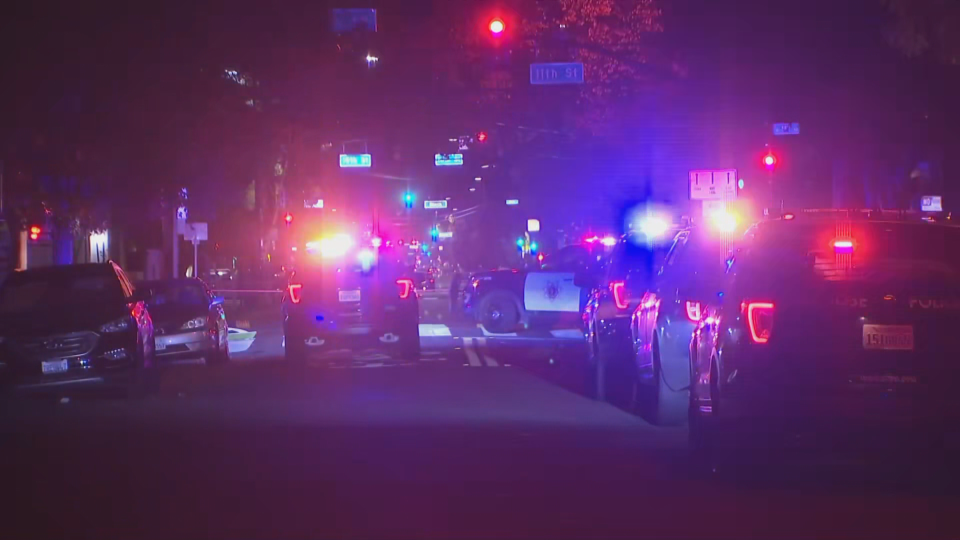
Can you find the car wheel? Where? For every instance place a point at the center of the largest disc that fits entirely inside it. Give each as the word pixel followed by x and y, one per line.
pixel 701 430
pixel 499 313
pixel 654 401
pixel 221 353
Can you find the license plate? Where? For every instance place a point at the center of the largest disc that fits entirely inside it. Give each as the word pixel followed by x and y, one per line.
pixel 350 296
pixel 888 337
pixel 54 366
pixel 160 345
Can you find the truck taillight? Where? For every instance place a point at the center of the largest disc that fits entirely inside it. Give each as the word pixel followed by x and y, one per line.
pixel 759 320
pixel 295 291
pixel 620 296
pixel 694 311
pixel 404 287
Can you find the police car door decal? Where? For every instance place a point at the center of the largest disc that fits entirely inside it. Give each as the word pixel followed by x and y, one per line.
pixel 551 291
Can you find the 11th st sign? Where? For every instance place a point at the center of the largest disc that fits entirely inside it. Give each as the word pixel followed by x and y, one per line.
pixel 557 73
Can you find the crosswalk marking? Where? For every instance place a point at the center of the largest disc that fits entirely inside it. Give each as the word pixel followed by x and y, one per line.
pixel 481 345
pixel 472 356
pixel 435 330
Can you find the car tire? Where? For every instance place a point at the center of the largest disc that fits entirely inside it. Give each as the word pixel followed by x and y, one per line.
pixel 221 354
pixel 702 437
pixel 499 313
pixel 655 402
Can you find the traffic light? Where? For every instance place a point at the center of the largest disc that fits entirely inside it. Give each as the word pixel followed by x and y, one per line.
pixel 288 218
pixel 408 199
pixel 770 161
pixel 533 247
pixel 482 136
pixel 497 26
pixel 434 234
pixel 35 232
pixel 520 242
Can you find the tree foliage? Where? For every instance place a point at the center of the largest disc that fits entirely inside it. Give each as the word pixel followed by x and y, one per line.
pixel 922 27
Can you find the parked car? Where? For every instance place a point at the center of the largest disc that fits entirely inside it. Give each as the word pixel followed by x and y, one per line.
pixel 82 324
pixel 189 321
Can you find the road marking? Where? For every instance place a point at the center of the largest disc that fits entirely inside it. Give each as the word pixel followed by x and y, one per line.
pixel 434 330
pixel 567 333
pixel 472 356
pixel 481 345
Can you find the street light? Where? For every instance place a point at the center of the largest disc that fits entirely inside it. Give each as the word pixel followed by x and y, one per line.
pixel 496 26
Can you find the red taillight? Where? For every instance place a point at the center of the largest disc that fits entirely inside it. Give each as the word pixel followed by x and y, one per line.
pixel 759 320
pixel 295 292
pixel 405 287
pixel 620 296
pixel 693 311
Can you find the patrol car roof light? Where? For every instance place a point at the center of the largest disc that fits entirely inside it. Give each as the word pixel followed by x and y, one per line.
pixel 654 226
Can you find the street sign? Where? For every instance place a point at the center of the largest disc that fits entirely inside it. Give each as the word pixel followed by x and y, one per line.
pixel 786 128
pixel 533 225
pixel 348 20
pixel 931 203
pixel 560 73
pixel 435 205
pixel 195 232
pixel 348 161
pixel 448 160
pixel 513 202
pixel 446 234
pixel 720 184
pixel 313 203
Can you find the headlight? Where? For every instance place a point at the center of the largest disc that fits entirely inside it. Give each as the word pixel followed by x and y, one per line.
pixel 118 325
pixel 195 324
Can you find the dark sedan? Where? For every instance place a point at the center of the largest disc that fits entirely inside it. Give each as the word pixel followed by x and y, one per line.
pixel 189 320
pixel 75 324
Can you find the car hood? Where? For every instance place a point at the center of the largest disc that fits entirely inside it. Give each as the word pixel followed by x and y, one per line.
pixel 59 320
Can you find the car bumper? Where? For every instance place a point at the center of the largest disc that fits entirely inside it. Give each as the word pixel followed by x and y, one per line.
pixel 187 346
pixel 100 366
pixel 328 335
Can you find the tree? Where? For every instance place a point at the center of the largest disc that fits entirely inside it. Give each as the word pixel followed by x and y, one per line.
pixel 926 27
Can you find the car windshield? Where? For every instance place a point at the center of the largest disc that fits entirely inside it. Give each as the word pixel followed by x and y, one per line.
pixel 188 294
pixel 440 269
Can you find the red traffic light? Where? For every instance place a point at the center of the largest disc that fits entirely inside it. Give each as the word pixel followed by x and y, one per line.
pixel 770 161
pixel 35 232
pixel 482 136
pixel 496 26
pixel 288 218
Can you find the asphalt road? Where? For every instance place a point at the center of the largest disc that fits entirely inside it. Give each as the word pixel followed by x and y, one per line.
pixel 484 437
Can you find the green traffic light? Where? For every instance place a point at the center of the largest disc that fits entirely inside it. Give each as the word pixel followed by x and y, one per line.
pixel 520 242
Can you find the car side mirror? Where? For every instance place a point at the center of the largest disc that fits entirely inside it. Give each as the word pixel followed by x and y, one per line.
pixel 217 301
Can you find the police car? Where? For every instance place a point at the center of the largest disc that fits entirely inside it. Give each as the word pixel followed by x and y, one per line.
pixel 350 291
pixel 503 301
pixel 836 330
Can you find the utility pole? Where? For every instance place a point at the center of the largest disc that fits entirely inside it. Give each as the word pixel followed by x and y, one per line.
pixel 175 245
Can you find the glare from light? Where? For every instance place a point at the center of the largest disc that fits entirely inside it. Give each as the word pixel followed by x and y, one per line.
pixel 769 160
pixel 366 257
pixel 477 179
pixel 724 221
pixel 608 241
pixel 372 59
pixel 497 26
pixel 333 246
pixel 654 227
pixel 472 189
pixel 376 241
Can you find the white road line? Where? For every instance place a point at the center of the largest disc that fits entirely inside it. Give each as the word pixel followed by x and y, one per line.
pixel 434 330
pixel 472 356
pixel 481 345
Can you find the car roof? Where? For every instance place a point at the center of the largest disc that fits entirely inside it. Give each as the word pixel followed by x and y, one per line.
pixel 65 270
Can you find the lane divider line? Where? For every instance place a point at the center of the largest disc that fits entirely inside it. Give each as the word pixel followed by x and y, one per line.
pixel 472 356
pixel 481 345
